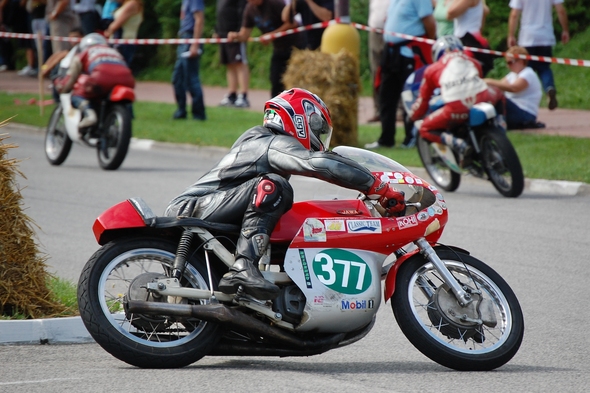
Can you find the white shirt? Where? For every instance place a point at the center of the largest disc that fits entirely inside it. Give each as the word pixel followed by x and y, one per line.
pixel 377 13
pixel 536 22
pixel 529 98
pixel 470 21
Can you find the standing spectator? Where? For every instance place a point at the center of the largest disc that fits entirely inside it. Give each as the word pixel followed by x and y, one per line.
pixel 188 57
pixel 89 17
pixel 128 17
pixel 15 18
pixel 523 91
pixel 36 9
pixel 311 11
pixel 443 25
pixel 62 19
pixel 537 36
pixel 411 17
pixel 377 14
pixel 468 17
pixel 267 16
pixel 108 14
pixel 233 54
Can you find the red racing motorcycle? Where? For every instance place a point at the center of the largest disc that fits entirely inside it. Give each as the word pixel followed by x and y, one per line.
pixel 334 260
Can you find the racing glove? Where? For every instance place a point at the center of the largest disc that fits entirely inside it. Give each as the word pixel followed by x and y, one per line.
pixel 392 200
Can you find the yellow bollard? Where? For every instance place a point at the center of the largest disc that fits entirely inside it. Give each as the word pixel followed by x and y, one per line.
pixel 341 36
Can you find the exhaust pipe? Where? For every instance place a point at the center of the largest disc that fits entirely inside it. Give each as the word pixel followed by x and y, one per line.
pixel 230 317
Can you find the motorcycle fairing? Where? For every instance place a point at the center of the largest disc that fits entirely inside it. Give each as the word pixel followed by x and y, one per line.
pixel 72 116
pixel 342 287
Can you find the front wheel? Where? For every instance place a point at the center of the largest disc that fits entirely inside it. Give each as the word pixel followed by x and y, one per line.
pixel 501 163
pixel 122 269
pixel 439 172
pixel 57 141
pixel 115 137
pixel 481 336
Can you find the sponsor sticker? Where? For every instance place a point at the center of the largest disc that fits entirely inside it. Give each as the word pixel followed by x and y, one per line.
pixel 305 268
pixel 351 305
pixel 363 226
pixel 407 222
pixel 335 225
pixel 314 230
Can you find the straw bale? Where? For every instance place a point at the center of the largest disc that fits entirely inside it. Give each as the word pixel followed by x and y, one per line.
pixel 335 79
pixel 23 278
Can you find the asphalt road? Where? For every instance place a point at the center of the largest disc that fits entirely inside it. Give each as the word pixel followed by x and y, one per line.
pixel 537 242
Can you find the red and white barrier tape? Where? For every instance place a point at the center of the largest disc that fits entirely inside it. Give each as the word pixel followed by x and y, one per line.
pixel 269 37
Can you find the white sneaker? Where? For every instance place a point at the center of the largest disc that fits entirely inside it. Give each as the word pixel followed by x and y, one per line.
pixel 3 67
pixel 89 119
pixel 242 102
pixel 227 101
pixel 26 71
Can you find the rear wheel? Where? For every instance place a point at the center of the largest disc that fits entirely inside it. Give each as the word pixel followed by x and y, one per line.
pixel 57 141
pixel 438 171
pixel 481 336
pixel 501 163
pixel 115 136
pixel 121 269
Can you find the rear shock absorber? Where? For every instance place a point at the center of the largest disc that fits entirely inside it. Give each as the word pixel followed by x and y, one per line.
pixel 184 246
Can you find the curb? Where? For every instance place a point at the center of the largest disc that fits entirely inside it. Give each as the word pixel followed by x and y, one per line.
pixel 71 330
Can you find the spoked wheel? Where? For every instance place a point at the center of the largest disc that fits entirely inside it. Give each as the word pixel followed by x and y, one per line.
pixel 438 171
pixel 115 137
pixel 501 163
pixel 57 141
pixel 121 269
pixel 483 335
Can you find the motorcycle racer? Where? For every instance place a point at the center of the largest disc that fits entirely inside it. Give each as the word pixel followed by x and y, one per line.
pixel 250 185
pixel 92 74
pixel 461 84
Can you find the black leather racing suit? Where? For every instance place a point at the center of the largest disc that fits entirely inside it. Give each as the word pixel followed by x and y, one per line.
pixel 232 191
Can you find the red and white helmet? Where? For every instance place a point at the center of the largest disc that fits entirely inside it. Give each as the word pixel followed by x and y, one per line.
pixel 302 115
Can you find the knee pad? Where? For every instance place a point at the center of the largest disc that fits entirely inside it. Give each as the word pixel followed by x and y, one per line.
pixel 268 195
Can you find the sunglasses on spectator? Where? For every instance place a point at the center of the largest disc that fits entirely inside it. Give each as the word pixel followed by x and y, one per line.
pixel 511 61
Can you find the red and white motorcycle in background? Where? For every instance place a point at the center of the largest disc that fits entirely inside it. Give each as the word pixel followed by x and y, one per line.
pixel 110 136
pixel 334 260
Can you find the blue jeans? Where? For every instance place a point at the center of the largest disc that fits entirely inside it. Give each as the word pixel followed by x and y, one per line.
pixel 541 68
pixel 185 77
pixel 516 117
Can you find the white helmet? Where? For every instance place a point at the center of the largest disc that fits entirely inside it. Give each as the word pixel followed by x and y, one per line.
pixel 447 43
pixel 91 40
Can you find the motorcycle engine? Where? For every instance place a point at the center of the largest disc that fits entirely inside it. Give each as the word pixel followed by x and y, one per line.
pixel 461 322
pixel 290 303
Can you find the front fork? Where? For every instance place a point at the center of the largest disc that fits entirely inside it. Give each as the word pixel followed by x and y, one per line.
pixel 463 297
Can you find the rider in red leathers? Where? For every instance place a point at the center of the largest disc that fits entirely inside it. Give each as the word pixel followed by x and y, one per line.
pixel 250 185
pixel 92 74
pixel 459 78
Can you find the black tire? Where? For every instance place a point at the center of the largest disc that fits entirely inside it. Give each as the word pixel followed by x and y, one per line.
pixel 57 141
pixel 440 173
pixel 147 341
pixel 115 137
pixel 501 163
pixel 430 327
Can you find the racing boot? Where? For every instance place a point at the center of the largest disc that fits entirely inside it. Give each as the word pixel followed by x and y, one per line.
pixel 89 115
pixel 464 150
pixel 251 246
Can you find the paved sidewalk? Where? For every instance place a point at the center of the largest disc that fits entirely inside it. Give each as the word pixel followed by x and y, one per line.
pixel 559 122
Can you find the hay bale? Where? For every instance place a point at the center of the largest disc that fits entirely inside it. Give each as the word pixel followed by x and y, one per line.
pixel 23 278
pixel 335 78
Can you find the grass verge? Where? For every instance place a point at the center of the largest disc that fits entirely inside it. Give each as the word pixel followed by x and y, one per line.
pixel 542 156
